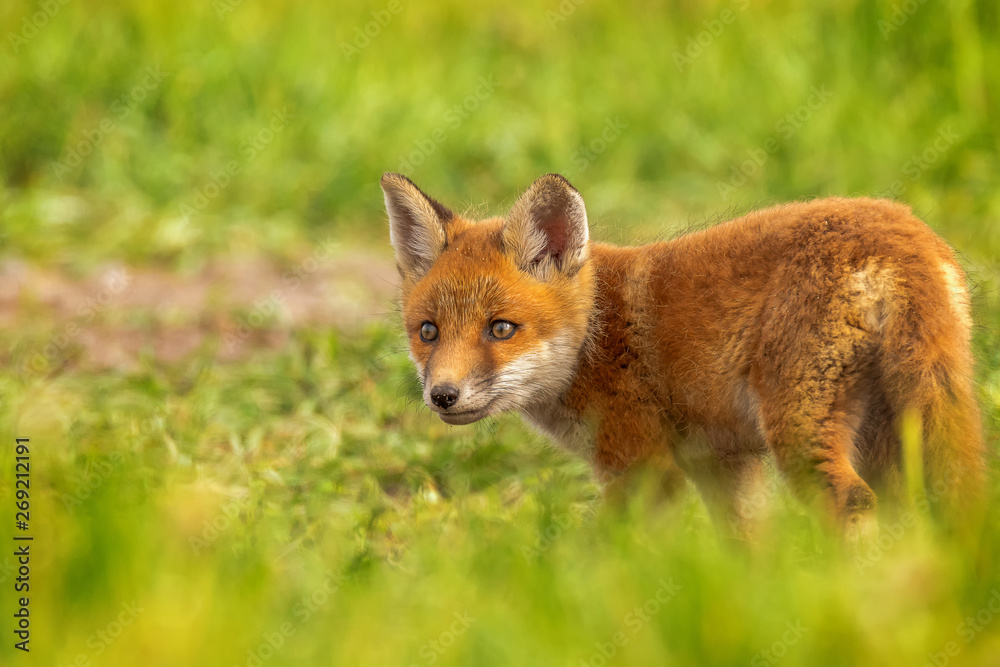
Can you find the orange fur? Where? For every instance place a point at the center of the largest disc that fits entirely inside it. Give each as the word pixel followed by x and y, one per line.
pixel 805 331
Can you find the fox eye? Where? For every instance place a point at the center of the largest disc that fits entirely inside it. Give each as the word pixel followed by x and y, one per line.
pixel 428 332
pixel 502 329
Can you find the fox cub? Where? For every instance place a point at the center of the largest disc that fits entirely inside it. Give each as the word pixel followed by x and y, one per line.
pixel 808 332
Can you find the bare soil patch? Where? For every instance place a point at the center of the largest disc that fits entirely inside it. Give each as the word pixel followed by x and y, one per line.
pixel 120 315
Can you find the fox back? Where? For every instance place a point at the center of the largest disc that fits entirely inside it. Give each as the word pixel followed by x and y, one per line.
pixel 807 332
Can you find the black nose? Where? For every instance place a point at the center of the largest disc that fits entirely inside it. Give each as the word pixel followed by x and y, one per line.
pixel 444 396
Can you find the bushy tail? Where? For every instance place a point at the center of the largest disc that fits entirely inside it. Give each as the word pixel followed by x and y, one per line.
pixel 926 366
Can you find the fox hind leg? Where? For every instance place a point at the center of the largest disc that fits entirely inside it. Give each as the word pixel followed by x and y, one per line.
pixel 815 460
pixel 879 452
pixel 811 420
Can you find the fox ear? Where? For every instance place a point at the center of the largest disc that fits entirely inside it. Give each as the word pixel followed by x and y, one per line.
pixel 546 229
pixel 416 225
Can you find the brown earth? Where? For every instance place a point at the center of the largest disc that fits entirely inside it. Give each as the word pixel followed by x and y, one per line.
pixel 120 315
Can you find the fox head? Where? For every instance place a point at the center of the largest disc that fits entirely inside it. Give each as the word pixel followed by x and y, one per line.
pixel 496 311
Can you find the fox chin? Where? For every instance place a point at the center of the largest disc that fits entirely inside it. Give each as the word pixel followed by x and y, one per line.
pixel 805 333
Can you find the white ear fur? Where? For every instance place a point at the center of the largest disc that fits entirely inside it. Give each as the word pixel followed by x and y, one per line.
pixel 416 225
pixel 546 229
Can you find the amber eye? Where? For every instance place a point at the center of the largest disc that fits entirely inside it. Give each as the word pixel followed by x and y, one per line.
pixel 502 329
pixel 428 332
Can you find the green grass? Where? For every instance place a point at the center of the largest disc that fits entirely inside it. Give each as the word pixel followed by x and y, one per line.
pixel 300 496
pixel 312 464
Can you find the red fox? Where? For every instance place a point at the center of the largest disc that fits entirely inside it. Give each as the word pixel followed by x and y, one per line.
pixel 806 332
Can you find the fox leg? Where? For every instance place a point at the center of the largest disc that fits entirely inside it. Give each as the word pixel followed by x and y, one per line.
pixel 820 472
pixel 631 443
pixel 814 455
pixel 729 475
pixel 879 453
pixel 811 413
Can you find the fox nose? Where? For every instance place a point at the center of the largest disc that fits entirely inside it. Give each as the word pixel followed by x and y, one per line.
pixel 444 396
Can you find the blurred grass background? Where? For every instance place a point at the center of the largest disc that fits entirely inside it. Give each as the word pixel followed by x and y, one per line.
pixel 296 505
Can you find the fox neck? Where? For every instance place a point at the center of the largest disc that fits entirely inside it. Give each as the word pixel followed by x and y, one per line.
pixel 558 412
pixel 615 315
